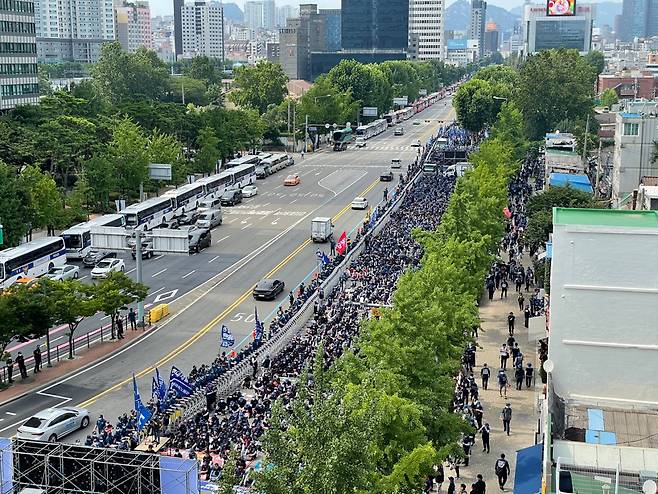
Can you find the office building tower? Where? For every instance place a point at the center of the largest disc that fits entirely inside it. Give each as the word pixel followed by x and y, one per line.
pixel 18 54
pixel 283 14
pixel 178 32
pixel 133 26
pixel 203 30
pixel 491 38
pixel 545 32
pixel 269 14
pixel 638 19
pixel 476 26
pixel 253 15
pixel 299 38
pixel 426 37
pixel 73 30
pixel 375 25
pixel 332 28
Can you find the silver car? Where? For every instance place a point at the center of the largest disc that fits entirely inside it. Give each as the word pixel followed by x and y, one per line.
pixel 52 424
pixel 66 272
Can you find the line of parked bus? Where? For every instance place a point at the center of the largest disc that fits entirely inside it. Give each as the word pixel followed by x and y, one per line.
pixel 372 129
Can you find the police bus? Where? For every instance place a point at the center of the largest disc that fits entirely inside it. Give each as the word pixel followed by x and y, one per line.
pixel 149 214
pixel 186 198
pixel 31 259
pixel 249 159
pixel 215 185
pixel 243 175
pixel 77 239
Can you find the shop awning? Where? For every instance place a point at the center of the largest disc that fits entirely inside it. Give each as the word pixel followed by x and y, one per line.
pixel 527 475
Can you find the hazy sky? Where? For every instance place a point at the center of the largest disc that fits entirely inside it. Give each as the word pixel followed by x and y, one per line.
pixel 162 7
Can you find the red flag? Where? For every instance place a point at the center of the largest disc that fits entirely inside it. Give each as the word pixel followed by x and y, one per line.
pixel 507 212
pixel 341 246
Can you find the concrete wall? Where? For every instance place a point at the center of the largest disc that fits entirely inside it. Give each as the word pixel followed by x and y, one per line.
pixel 604 325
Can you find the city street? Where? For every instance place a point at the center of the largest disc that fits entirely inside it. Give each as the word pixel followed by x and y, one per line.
pixel 266 236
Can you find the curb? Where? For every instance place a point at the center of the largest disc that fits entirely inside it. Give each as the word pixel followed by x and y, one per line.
pixel 73 371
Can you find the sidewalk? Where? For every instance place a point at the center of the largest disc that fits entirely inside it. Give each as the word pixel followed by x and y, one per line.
pixel 83 357
pixel 493 316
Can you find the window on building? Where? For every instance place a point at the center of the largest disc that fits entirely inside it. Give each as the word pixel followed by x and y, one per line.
pixel 631 129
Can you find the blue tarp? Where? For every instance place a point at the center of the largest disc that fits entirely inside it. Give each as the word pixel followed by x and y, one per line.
pixel 7 468
pixel 580 182
pixel 600 437
pixel 595 419
pixel 527 475
pixel 178 476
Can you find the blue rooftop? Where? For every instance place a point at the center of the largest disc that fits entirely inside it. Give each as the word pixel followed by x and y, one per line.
pixel 630 115
pixel 577 181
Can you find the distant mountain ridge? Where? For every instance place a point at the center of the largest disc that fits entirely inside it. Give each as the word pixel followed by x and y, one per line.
pixel 233 12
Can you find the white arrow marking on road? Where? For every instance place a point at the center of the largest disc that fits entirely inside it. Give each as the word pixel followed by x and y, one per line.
pixel 244 221
pixel 188 274
pixel 276 221
pixel 165 296
pixel 159 273
pixel 214 259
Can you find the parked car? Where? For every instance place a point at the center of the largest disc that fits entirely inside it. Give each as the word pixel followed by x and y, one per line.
pixel 52 424
pixel 292 180
pixel 250 191
pixel 386 176
pixel 209 219
pixel 199 239
pixel 147 248
pixel 96 256
pixel 107 266
pixel 207 204
pixel 416 122
pixel 399 131
pixel 360 203
pixel 231 197
pixel 189 217
pixel 396 163
pixel 360 142
pixel 416 144
pixel 268 289
pixel 66 272
pixel 263 171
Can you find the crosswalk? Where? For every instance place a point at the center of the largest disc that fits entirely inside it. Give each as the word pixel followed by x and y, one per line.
pixel 384 147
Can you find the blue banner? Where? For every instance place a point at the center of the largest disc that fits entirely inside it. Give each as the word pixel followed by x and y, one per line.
pixel 228 340
pixel 159 389
pixel 179 383
pixel 325 259
pixel 373 217
pixel 259 327
pixel 136 397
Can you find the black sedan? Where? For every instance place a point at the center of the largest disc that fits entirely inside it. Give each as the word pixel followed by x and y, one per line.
pixel 386 177
pixel 96 256
pixel 268 289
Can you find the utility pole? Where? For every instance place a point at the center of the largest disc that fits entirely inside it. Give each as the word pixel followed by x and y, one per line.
pixel 138 258
pixel 306 134
pixel 182 86
pixel 294 129
pixel 585 143
pixel 598 173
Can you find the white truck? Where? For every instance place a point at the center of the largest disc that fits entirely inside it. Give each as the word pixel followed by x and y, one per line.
pixel 321 229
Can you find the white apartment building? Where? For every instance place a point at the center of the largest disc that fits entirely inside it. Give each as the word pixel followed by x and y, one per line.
pixel 203 29
pixel 133 26
pixel 478 20
pixel 269 14
pixel 73 29
pixel 253 15
pixel 426 21
pixel 18 54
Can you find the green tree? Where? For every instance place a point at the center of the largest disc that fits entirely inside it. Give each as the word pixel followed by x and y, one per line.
pixel 166 148
pixel 324 103
pixel 596 59
pixel 475 105
pixel 554 85
pixel 101 176
pixel 71 301
pixel 259 86
pixel 45 88
pixel 46 205
pixel 114 293
pixel 33 305
pixel 498 74
pixel 229 478
pixel 403 78
pixel 367 84
pixel 206 158
pixel 188 90
pixel 14 206
pixel 203 69
pixel 609 97
pixel 128 150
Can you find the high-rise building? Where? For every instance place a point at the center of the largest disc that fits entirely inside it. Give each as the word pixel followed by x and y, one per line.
pixel 178 27
pixel 545 32
pixel 638 19
pixel 18 54
pixel 476 26
pixel 491 38
pixel 269 14
pixel 202 26
pixel 253 15
pixel 283 14
pixel 299 38
pixel 73 30
pixel 426 22
pixel 375 25
pixel 332 28
pixel 133 25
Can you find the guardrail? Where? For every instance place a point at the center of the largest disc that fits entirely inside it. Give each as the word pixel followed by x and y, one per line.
pixel 233 379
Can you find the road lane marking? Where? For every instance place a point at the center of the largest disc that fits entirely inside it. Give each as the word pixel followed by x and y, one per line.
pixel 11 413
pixel 159 273
pixel 293 202
pixel 204 330
pixel 231 221
pixel 132 270
pixel 222 239
pixel 158 257
pixel 104 317
pixel 82 278
pixel 213 259
pixel 246 226
pixel 266 204
pixel 189 274
pixel 157 291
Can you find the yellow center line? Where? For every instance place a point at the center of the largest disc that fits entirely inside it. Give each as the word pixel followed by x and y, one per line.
pixel 195 337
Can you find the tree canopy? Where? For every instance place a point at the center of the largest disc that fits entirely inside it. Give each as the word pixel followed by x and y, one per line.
pixel 259 86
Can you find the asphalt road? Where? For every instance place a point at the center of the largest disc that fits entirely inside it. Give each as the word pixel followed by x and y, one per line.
pixel 266 236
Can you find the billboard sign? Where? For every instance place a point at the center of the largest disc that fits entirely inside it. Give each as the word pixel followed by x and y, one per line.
pixel 422 92
pixel 401 101
pixel 370 111
pixel 560 7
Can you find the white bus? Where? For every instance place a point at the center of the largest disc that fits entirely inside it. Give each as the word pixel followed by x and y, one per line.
pixel 149 214
pixel 77 239
pixel 372 129
pixel 32 259
pixel 276 162
pixel 186 197
pixel 215 185
pixel 250 159
pixel 243 175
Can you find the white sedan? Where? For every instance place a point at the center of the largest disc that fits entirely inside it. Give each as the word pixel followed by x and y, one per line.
pixel 250 191
pixel 66 272
pixel 360 203
pixel 52 424
pixel 107 266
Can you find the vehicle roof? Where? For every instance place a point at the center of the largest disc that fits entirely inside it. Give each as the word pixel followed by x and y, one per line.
pixel 50 413
pixel 266 282
pixel 359 198
pixel 23 248
pixel 100 221
pixel 210 211
pixel 148 202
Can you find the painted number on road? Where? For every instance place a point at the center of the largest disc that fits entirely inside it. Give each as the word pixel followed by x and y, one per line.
pixel 241 316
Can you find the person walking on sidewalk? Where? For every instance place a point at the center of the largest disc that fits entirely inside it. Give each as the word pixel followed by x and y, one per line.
pixel 439 476
pixel 37 359
pixel 479 486
pixel 485 373
pixel 451 485
pixel 132 319
pixel 120 327
pixel 502 470
pixel 10 368
pixel 20 360
pixel 529 370
pixel 510 323
pixel 526 316
pixel 485 433
pixel 506 416
pixel 503 289
pixel 504 355
pixel 519 374
pixel 521 300
pixel 502 383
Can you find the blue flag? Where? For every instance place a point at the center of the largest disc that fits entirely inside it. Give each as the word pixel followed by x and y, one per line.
pixel 136 397
pixel 373 217
pixel 325 259
pixel 143 413
pixel 158 387
pixel 179 383
pixel 227 338
pixel 258 335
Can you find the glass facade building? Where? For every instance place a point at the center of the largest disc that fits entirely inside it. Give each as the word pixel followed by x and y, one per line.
pixel 375 24
pixel 18 54
pixel 561 34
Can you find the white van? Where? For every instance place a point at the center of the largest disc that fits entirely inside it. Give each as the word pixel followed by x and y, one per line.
pixel 396 163
pixel 360 142
pixel 208 203
pixel 210 219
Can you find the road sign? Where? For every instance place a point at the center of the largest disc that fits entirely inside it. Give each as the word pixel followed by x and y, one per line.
pixel 403 101
pixel 370 111
pixel 160 171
